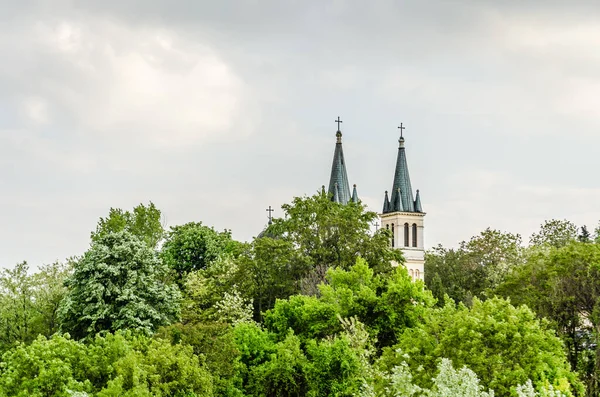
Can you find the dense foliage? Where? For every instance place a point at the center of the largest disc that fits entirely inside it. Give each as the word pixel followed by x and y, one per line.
pixel 557 276
pixel 119 283
pixel 312 307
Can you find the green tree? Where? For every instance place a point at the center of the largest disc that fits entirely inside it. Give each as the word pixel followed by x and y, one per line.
pixel 159 369
pixel 109 365
pixel 334 368
pixel 143 222
pixel 215 343
pixel 585 236
pixel 385 304
pixel 18 322
pixel 504 345
pixel 119 283
pixel 50 290
pixel 270 269
pixel 29 302
pixel 554 233
pixel 205 288
pixel 53 367
pixel 475 269
pixel 194 246
pixel 562 285
pixel 331 234
pixel 597 234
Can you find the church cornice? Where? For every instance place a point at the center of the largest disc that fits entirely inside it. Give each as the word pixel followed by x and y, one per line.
pixel 401 213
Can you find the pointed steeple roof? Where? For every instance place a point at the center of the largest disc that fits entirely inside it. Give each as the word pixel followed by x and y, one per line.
pixel 336 194
pixel 397 204
pixel 386 203
pixel 402 184
pixel 339 174
pixel 354 195
pixel 418 207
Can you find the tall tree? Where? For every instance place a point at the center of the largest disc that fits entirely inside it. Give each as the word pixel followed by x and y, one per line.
pixel 144 222
pixel 17 306
pixel 475 268
pixel 554 233
pixel 584 236
pixel 50 289
pixel 270 269
pixel 562 285
pixel 194 246
pixel 29 302
pixel 332 234
pixel 504 345
pixel 119 283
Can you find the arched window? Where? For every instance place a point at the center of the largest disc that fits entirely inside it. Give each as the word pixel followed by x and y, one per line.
pixel 393 236
pixel 417 274
pixel 414 232
pixel 406 240
pixel 412 274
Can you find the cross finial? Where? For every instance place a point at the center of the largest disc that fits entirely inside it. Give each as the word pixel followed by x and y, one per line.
pixel 376 226
pixel 270 211
pixel 401 128
pixel 338 121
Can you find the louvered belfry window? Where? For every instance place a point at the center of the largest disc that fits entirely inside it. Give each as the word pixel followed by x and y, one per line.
pixel 414 234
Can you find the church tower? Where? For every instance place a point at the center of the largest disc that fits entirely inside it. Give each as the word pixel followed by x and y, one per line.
pixel 339 188
pixel 403 215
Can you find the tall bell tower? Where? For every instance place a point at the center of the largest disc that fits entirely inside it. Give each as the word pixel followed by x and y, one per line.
pixel 403 215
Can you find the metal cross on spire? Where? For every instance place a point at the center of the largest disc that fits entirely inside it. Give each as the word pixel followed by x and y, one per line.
pixel 270 211
pixel 338 121
pixel 401 128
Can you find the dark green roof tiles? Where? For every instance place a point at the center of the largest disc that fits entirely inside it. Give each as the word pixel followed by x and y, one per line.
pixel 386 203
pixel 354 195
pixel 418 207
pixel 339 175
pixel 336 193
pixel 402 199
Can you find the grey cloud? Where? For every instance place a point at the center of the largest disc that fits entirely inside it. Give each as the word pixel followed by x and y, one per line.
pixel 121 109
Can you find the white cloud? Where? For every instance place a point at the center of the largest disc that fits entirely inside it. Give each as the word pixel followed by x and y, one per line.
pixel 35 111
pixel 141 84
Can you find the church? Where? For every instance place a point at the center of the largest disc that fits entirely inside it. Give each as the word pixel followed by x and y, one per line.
pixel 402 212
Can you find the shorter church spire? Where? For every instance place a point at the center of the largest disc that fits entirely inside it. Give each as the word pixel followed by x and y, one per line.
pixel 354 195
pixel 386 203
pixel 397 204
pixel 336 194
pixel 418 207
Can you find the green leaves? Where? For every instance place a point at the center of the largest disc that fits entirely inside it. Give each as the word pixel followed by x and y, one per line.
pixel 114 365
pixel 475 269
pixel 144 222
pixel 119 283
pixel 331 234
pixel 29 303
pixel 555 233
pixel 193 247
pixel 386 305
pixel 503 344
pixel 45 368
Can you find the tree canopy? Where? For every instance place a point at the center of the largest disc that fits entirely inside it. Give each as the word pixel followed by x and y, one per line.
pixel 318 305
pixel 119 283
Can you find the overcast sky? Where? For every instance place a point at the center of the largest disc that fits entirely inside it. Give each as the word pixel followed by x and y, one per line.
pixel 215 110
